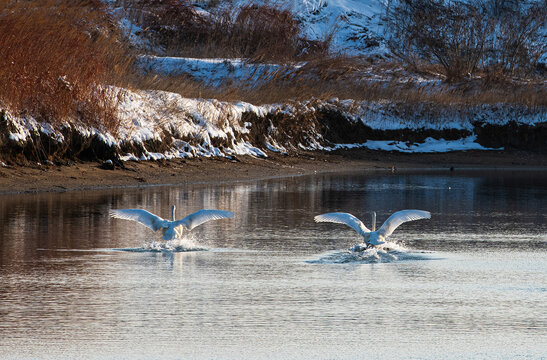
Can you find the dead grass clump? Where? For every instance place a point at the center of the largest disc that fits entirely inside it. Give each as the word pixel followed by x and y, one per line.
pixel 266 33
pixel 54 56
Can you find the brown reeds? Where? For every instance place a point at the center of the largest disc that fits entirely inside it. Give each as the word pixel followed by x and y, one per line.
pixel 54 59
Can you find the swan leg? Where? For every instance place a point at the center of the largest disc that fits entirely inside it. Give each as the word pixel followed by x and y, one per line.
pixel 179 232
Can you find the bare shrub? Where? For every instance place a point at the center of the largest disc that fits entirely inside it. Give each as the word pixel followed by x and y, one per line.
pixel 519 42
pixel 451 34
pixel 54 56
pixel 467 37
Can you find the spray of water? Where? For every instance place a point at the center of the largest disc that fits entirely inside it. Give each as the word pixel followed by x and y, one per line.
pixel 188 242
pixel 387 253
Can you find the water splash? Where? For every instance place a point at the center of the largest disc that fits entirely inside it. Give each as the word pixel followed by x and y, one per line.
pixel 184 244
pixel 389 253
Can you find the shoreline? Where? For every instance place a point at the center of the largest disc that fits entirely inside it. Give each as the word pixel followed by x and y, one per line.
pixel 90 176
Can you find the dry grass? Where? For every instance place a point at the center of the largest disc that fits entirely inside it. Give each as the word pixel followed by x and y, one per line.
pixel 342 77
pixel 54 56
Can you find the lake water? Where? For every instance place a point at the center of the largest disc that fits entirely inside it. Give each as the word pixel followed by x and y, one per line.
pixel 272 284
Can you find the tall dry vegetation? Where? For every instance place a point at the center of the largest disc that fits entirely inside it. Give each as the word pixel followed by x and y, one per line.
pixel 55 57
pixel 256 32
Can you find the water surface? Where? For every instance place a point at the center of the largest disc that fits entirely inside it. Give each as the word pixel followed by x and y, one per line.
pixel 270 283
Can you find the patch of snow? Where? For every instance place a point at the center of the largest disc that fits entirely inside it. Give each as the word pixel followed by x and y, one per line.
pixel 24 127
pixel 213 71
pixel 246 148
pixel 273 146
pixel 384 115
pixel 48 129
pixel 148 115
pixel 430 145
pixel 129 157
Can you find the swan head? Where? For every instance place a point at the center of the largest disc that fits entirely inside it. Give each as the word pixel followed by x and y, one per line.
pixel 173 208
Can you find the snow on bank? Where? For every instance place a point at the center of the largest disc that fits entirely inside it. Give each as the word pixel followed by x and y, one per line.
pixel 23 128
pixel 430 145
pixel 157 125
pixel 195 125
pixel 385 115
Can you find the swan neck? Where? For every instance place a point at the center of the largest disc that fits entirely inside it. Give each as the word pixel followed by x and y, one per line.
pixel 173 213
pixel 373 221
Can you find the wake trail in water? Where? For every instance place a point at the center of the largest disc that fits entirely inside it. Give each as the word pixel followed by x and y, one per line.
pixel 185 244
pixel 390 253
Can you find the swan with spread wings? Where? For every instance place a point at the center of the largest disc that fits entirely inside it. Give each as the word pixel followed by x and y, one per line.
pixel 373 238
pixel 170 229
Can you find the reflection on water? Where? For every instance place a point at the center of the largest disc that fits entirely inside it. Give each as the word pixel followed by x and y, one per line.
pixel 272 283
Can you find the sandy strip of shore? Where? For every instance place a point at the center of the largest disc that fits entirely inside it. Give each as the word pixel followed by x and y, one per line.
pixel 89 175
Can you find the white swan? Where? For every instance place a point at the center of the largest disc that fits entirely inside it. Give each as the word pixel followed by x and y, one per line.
pixel 174 228
pixel 373 238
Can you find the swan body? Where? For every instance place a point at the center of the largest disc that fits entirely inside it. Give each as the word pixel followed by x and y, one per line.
pixel 174 228
pixel 373 238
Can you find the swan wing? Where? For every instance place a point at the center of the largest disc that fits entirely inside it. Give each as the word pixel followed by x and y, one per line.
pixel 144 217
pixel 201 216
pixel 400 217
pixel 343 218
